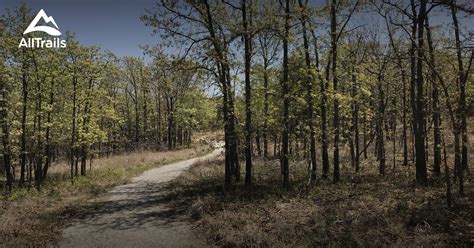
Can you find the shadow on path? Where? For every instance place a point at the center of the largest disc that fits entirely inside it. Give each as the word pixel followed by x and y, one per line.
pixel 145 213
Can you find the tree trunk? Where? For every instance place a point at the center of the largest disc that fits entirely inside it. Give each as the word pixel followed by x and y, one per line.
pixel 435 104
pixel 39 142
pixel 379 128
pixel 231 158
pixel 404 122
pixel 335 88
pixel 265 109
pixel 158 121
pixel 23 151
pixel 448 177
pixel 421 172
pixel 170 126
pixel 461 113
pixel 48 134
pixel 364 136
pixel 248 112
pixel 355 123
pixel 309 94
pixel 286 101
pixel 228 163
pixel 404 99
pixel 235 165
pixel 73 130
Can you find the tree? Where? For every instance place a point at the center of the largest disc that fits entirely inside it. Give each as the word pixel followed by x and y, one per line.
pixel 435 103
pixel 213 33
pixel 286 99
pixel 4 121
pixel 78 102
pixel 268 47
pixel 335 35
pixel 248 113
pixel 175 78
pixel 461 113
pixel 421 171
pixel 309 86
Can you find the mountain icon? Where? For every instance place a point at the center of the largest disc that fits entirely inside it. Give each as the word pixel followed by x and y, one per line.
pixel 47 29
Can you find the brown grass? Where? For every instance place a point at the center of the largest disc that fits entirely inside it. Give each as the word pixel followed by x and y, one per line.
pixel 364 209
pixel 31 218
pixel 128 160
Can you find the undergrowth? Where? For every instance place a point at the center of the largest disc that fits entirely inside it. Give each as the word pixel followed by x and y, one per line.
pixel 363 210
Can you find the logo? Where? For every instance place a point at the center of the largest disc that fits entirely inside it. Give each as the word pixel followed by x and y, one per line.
pixel 40 42
pixel 47 29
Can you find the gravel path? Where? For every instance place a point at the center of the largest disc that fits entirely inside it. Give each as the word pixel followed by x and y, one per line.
pixel 137 215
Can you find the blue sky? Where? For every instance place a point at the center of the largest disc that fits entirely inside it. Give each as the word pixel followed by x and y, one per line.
pixel 110 24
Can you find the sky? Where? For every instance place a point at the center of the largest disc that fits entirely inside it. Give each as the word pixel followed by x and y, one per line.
pixel 111 24
pixel 115 24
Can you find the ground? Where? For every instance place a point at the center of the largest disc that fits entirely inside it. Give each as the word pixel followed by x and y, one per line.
pixel 364 209
pixel 137 214
pixel 31 218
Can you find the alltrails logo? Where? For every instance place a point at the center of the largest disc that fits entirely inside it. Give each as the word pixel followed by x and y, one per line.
pixel 40 42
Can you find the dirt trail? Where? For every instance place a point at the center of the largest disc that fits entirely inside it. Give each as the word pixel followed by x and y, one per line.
pixel 137 215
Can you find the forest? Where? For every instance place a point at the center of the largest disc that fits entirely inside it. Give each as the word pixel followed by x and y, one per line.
pixel 319 103
pixel 83 102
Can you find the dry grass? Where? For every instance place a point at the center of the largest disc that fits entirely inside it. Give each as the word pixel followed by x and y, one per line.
pixel 31 218
pixel 130 160
pixel 364 209
pixel 214 135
